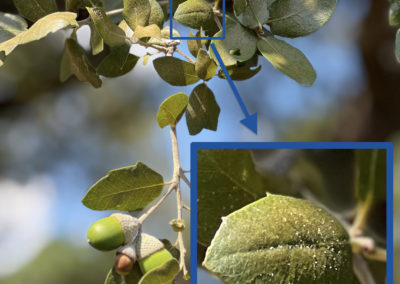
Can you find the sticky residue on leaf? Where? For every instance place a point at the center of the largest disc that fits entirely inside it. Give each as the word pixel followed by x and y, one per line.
pixel 280 239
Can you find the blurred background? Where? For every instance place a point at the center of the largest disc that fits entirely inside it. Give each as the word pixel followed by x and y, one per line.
pixel 58 139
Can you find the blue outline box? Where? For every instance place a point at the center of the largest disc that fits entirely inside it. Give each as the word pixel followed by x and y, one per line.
pixel 388 146
pixel 199 38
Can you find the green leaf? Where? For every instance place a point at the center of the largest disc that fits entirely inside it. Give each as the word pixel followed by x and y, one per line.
pixel 294 18
pixel 44 26
pixel 175 71
pixel 287 59
pixel 110 32
pixel 228 175
pixel 172 109
pixel 118 62
pixel 136 12
pixel 147 32
pixel 156 14
pixel 205 67
pixel 33 10
pixel 96 41
pixel 193 44
pixel 196 14
pixel 251 13
pixel 175 5
pixel 75 61
pixel 11 25
pixel 394 14
pixel 162 274
pixel 132 278
pixel 370 174
pixel 75 5
pixel 202 110
pixel 280 239
pixel 237 38
pixel 243 70
pixel 125 189
pixel 397 45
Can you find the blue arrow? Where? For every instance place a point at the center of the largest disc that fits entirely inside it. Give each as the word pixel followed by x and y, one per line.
pixel 250 121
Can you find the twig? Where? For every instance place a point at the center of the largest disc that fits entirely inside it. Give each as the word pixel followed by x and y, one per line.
pixel 109 13
pixel 184 55
pixel 159 202
pixel 186 207
pixel 361 270
pixel 177 169
pixel 183 176
pixel 216 4
pixel 378 255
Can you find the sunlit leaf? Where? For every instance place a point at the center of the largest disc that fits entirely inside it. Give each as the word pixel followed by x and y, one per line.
pixel 156 14
pixel 33 10
pixel 48 24
pixel 162 274
pixel 243 70
pixel 205 67
pixel 228 175
pixel 280 239
pixel 175 71
pixel 110 32
pixel 147 32
pixel 202 110
pixel 238 39
pixel 196 14
pixel 293 18
pixel 75 61
pixel 371 174
pixel 96 41
pixel 118 62
pixel 11 25
pixel 136 12
pixel 287 59
pixel 172 109
pixel 251 13
pixel 125 189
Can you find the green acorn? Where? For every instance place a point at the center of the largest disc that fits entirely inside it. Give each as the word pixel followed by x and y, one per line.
pixel 112 232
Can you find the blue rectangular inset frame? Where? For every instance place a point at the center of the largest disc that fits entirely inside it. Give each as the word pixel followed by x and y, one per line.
pixel 200 38
pixel 292 145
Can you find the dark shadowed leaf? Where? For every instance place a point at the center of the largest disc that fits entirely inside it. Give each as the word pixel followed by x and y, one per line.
pixel 75 5
pixel 397 45
pixel 125 189
pixel 172 109
pixel 227 175
pixel 394 14
pixel 287 59
pixel 96 41
pixel 118 62
pixel 370 174
pixel 10 26
pixel 44 26
pixel 175 71
pixel 33 10
pixel 239 44
pixel 251 13
pixel 136 12
pixel 110 32
pixel 193 44
pixel 75 61
pixel 243 71
pixel 202 110
pixel 156 14
pixel 205 67
pixel 280 239
pixel 293 18
pixel 196 14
